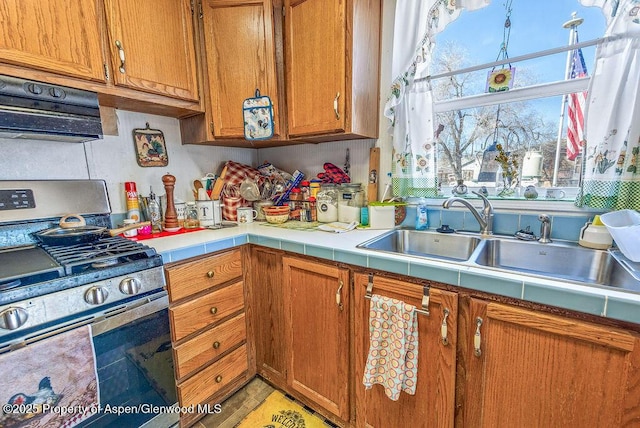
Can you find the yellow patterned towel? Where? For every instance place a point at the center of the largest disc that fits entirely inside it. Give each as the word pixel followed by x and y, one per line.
pixel 393 347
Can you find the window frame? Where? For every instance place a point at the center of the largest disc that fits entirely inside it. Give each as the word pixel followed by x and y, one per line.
pixel 537 91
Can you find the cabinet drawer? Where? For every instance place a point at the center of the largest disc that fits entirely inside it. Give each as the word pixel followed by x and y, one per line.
pixel 207 346
pixel 193 315
pixel 207 382
pixel 189 278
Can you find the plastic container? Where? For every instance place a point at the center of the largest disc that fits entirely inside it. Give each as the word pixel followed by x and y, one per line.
pixel 624 227
pixel 382 215
pixel 131 232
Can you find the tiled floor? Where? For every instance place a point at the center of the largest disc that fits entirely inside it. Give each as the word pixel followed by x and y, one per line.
pixel 236 407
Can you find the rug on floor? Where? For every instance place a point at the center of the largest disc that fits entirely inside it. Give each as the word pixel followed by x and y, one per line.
pixel 279 411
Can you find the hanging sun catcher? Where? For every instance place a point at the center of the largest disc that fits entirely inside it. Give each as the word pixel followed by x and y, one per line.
pixel 500 80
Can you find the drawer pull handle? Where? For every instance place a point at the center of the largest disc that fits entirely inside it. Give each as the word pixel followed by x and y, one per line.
pixel 210 274
pixel 216 345
pixel 339 296
pixel 213 310
pixel 218 379
pixel 477 338
pixel 443 328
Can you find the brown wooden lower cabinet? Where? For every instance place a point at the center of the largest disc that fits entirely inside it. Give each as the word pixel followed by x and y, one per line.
pixel 316 304
pixel 209 330
pixel 502 365
pixel 524 368
pixel 267 309
pixel 433 403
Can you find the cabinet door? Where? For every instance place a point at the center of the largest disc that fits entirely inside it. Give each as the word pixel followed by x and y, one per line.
pixel 53 35
pixel 240 53
pixel 268 314
pixel 433 403
pixel 152 46
pixel 535 369
pixel 315 66
pixel 318 333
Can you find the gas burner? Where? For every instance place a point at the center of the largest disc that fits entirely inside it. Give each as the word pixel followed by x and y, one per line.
pixel 104 263
pixel 11 284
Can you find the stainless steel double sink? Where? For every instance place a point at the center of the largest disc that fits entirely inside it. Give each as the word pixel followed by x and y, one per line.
pixel 558 260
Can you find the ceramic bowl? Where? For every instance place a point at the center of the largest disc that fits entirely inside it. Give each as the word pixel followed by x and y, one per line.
pixel 273 210
pixel 277 219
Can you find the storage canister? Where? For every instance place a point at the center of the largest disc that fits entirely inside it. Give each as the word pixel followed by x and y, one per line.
pixel 350 200
pixel 327 203
pixel 191 217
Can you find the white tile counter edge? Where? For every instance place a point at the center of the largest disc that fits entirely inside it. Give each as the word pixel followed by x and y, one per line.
pixel 180 246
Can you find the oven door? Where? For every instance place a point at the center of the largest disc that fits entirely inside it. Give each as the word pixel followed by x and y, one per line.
pixel 135 365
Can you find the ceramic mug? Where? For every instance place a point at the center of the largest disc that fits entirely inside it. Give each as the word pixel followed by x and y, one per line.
pixel 555 193
pixel 246 215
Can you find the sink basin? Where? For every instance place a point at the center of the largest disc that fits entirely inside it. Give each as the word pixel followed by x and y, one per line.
pixel 425 244
pixel 558 260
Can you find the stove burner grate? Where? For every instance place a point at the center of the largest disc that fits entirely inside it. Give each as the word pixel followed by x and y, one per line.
pixel 104 252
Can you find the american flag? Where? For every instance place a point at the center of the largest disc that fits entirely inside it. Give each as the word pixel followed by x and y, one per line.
pixel 575 127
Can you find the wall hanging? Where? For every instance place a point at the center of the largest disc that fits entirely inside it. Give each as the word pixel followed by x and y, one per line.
pixel 150 146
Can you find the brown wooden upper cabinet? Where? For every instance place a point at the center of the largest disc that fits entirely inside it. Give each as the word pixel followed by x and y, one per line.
pixel 152 46
pixel 332 68
pixel 318 60
pixel 240 56
pixel 63 37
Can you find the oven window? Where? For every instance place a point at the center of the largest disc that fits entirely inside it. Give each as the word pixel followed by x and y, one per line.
pixel 135 367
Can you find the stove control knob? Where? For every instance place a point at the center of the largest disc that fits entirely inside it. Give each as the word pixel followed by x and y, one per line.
pixel 96 295
pixel 12 318
pixel 130 286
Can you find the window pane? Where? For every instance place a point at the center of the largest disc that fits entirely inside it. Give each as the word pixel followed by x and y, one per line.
pixel 527 130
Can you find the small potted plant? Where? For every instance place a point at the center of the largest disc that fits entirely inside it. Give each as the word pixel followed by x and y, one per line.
pixel 509 171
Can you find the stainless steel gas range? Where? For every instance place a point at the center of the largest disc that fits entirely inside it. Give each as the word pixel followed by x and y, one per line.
pixel 112 283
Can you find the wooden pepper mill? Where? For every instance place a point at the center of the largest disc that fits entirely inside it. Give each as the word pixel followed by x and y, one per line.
pixel 170 215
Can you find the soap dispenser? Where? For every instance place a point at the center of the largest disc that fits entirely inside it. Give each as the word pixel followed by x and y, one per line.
pixel 595 235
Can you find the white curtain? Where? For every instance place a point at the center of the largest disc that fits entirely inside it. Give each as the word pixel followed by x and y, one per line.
pixel 410 105
pixel 612 153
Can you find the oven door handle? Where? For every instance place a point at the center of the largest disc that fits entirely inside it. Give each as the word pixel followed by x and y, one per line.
pixel 103 322
pixel 124 315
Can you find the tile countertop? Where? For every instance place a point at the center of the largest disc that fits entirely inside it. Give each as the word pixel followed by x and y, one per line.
pixel 595 300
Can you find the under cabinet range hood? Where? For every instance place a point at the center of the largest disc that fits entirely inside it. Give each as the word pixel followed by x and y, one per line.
pixel 41 111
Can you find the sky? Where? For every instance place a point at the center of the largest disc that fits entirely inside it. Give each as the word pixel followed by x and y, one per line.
pixel 535 25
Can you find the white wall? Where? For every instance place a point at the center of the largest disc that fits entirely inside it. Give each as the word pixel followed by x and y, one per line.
pixel 113 159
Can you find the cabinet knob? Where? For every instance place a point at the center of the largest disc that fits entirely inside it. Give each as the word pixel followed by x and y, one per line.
pixel 216 345
pixel 210 274
pixel 218 379
pixel 213 310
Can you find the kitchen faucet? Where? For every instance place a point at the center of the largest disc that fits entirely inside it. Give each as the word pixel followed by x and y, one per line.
pixel 545 229
pixel 485 218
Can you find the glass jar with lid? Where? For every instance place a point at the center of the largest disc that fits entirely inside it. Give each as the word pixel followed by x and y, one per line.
pixel 350 201
pixel 327 203
pixel 191 216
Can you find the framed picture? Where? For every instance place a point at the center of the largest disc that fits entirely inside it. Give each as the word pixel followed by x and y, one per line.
pixel 151 149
